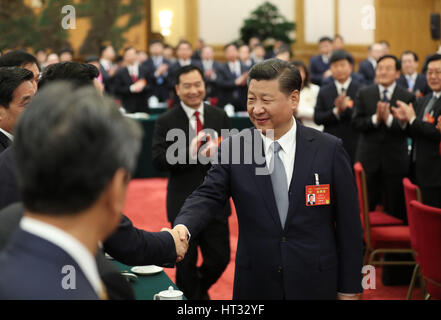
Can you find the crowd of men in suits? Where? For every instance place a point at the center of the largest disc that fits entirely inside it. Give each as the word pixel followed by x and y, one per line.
pixel 366 109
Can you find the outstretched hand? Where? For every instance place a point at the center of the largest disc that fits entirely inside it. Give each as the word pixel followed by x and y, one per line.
pixel 181 241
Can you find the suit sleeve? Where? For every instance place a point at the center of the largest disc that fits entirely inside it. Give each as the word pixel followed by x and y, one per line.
pixel 348 224
pixel 361 119
pixel 223 81
pixel 322 114
pixel 119 87
pixel 133 246
pixel 420 128
pixel 209 198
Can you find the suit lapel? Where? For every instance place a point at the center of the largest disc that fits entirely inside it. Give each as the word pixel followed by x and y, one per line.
pixel 304 156
pixel 263 182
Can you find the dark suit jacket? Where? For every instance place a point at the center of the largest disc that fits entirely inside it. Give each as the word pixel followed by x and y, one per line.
pixel 132 102
pixel 426 140
pixel 4 142
pixel 420 84
pixel 380 147
pixel 160 86
pixel 316 68
pixel 367 71
pixel 228 91
pixel 8 182
pixel 210 84
pixel 31 269
pixel 318 253
pixel 339 127
pixel 107 80
pixel 184 178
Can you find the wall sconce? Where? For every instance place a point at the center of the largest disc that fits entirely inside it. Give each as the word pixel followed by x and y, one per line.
pixel 165 21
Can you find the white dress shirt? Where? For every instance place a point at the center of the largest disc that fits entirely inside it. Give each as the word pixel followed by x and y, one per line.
pixel 306 107
pixel 373 62
pixel 190 114
pixel 7 134
pixel 235 67
pixel 287 153
pixel 74 248
pixel 184 63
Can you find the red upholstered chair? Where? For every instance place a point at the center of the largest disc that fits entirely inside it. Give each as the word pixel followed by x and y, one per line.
pixel 412 192
pixel 427 226
pixel 382 233
pixel 376 218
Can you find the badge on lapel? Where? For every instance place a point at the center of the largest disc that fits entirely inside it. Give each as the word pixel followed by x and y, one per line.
pixel 318 195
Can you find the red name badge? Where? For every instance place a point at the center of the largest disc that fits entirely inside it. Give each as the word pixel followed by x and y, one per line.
pixel 318 195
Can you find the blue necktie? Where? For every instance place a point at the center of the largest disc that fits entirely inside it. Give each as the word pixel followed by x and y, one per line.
pixel 410 83
pixel 385 98
pixel 279 182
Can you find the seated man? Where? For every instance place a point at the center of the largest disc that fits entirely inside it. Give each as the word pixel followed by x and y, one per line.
pixel 67 214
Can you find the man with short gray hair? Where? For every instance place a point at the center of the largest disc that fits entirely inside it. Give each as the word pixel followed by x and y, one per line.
pixel 69 208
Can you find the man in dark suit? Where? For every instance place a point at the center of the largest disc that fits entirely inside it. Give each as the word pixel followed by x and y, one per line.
pixel 189 118
pixel 107 67
pixel 286 249
pixel 130 84
pixel 210 68
pixel 335 102
pixel 156 67
pixel 410 79
pixel 232 80
pixel 319 64
pixel 383 148
pixel 184 54
pixel 367 67
pixel 16 91
pixel 426 160
pixel 65 219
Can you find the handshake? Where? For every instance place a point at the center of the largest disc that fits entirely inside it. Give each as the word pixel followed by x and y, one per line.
pixel 180 236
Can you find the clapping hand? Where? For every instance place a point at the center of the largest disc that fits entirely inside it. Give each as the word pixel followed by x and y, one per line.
pixel 404 112
pixel 438 125
pixel 181 242
pixel 340 103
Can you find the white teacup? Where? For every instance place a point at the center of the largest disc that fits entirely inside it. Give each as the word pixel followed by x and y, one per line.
pixel 169 294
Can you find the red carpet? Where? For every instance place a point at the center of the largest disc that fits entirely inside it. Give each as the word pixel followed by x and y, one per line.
pixel 145 205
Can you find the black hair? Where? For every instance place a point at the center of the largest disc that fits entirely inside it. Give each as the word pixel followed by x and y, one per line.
pixel 338 55
pixel 300 64
pixel 77 140
pixel 17 58
pixel 271 69
pixel 415 56
pixel 323 39
pixel 10 79
pixel 390 56
pixel 78 73
pixel 187 69
pixel 434 57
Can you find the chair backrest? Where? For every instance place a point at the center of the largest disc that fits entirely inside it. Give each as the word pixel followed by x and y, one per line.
pixel 427 225
pixel 411 192
pixel 360 179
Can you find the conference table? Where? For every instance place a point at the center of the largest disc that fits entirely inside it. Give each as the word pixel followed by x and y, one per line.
pixel 145 168
pixel 146 286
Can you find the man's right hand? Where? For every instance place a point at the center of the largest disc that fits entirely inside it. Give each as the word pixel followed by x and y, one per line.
pixel 181 243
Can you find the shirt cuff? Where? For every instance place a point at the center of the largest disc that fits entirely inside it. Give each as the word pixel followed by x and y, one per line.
pixel 335 112
pixel 412 120
pixel 188 232
pixel 132 88
pixel 374 119
pixel 389 121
